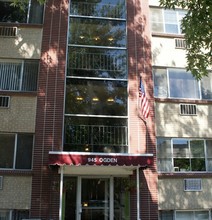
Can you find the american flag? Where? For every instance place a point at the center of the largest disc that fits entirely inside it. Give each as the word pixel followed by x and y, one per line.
pixel 143 101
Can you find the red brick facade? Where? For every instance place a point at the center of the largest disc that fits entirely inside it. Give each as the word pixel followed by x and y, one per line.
pixel 50 111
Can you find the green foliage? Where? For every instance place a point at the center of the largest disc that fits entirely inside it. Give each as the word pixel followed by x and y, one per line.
pixel 22 3
pixel 197 29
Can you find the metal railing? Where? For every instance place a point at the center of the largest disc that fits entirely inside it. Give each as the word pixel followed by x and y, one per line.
pixel 98 9
pixel 96 135
pixel 98 61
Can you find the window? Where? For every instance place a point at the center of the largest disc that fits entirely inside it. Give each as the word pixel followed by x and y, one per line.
pixel 29 12
pixel 183 155
pixel 184 215
pixel 19 75
pixel 16 151
pixel 192 215
pixel 177 83
pixel 96 82
pixel 166 21
pixel 14 214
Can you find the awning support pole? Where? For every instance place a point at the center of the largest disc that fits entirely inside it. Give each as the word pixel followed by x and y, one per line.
pixel 61 193
pixel 138 193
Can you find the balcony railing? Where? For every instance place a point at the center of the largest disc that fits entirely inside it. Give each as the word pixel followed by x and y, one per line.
pixel 98 9
pixel 19 76
pixel 96 138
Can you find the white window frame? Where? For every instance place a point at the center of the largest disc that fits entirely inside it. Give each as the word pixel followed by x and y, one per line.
pixel 178 23
pixel 176 169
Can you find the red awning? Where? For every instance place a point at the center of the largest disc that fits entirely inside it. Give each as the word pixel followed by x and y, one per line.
pixel 99 159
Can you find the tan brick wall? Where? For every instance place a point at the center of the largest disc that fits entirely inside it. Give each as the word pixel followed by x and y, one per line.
pixel 27 44
pixel 20 116
pixel 16 192
pixel 172 195
pixel 169 123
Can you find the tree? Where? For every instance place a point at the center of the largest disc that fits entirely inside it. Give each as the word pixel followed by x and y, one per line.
pixel 197 29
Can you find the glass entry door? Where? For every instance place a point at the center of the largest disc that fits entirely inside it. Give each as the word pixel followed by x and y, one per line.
pixel 93 199
pixel 102 198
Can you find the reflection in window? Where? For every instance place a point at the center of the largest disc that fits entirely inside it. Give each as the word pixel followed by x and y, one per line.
pixel 29 12
pixel 102 8
pixel 166 21
pixel 96 97
pixel 177 83
pixel 182 84
pixel 182 155
pixel 98 32
pixel 16 151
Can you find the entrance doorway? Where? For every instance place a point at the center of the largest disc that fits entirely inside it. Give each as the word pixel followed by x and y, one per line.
pixel 93 198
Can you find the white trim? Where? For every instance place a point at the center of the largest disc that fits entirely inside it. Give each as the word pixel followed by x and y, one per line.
pixel 138 194
pixel 61 194
pixel 98 154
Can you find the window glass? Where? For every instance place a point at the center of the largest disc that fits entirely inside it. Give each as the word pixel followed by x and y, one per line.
pixel 164 147
pixel 180 215
pixel 171 23
pixel 201 215
pixel 209 154
pixel 97 32
pixel 166 215
pixel 157 20
pixel 36 12
pixel 95 62
pixel 4 214
pixel 102 8
pixel 166 21
pixel 182 84
pixel 24 151
pixel 7 143
pixel 19 75
pixel 16 151
pixel 197 153
pixel 95 97
pixel 95 134
pixel 206 86
pixel 160 83
pixel 164 154
pixel 10 13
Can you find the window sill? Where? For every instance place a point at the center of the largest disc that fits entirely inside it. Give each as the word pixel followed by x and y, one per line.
pixel 173 175
pixel 6 24
pixel 190 101
pixel 167 35
pixel 15 172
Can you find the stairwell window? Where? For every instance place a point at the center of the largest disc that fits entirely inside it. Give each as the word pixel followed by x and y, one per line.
pixel 179 84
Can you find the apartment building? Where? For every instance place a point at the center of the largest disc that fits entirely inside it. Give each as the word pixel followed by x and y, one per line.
pixel 74 140
pixel 183 123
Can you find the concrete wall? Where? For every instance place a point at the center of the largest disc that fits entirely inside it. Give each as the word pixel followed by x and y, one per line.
pixel 20 116
pixel 164 53
pixel 169 123
pixel 172 195
pixel 16 192
pixel 26 45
